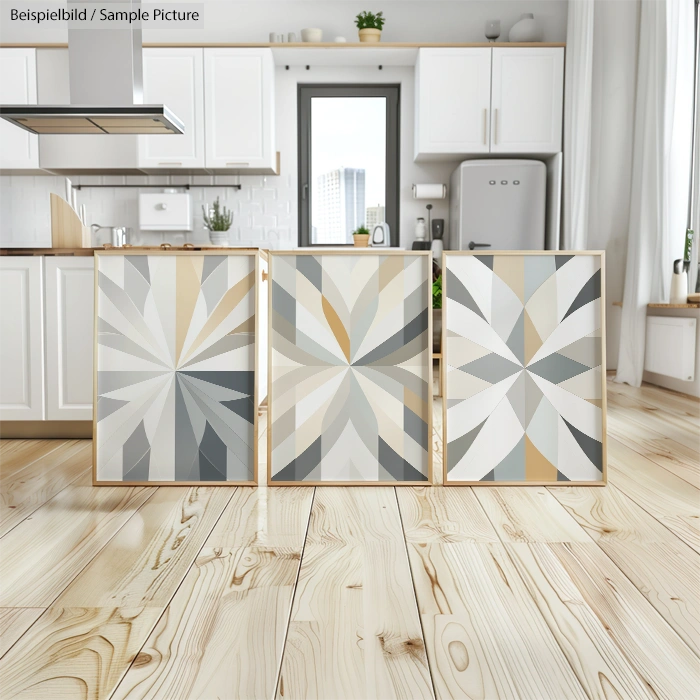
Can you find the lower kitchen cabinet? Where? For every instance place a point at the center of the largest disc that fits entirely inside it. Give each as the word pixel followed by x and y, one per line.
pixel 70 294
pixel 46 337
pixel 22 393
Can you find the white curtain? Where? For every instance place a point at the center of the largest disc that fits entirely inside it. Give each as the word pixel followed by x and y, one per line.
pixel 661 159
pixel 577 124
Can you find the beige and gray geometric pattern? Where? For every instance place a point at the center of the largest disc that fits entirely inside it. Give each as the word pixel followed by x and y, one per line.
pixel 350 385
pixel 175 368
pixel 524 384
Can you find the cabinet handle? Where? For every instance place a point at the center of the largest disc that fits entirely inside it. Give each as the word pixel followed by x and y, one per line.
pixel 485 125
pixel 495 126
pixel 170 163
pixel 240 165
pixel 264 276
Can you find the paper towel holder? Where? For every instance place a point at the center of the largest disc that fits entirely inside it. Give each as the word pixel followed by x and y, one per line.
pixel 429 191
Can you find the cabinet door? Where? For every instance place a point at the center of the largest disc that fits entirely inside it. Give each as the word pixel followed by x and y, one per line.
pixel 70 296
pixel 19 150
pixel 239 108
pixel 527 100
pixel 175 78
pixel 453 94
pixel 21 339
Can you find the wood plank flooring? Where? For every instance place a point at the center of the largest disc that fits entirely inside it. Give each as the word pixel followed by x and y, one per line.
pixel 500 593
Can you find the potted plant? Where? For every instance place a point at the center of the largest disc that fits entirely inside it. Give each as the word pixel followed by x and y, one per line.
pixel 437 309
pixel 217 221
pixel 360 237
pixel 370 26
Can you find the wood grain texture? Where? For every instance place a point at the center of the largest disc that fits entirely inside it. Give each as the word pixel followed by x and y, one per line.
pixel 486 640
pixel 354 630
pixel 598 663
pixel 670 499
pixel 14 622
pixel 656 398
pixel 528 514
pixel 445 514
pixel 43 554
pixel 87 639
pixel 609 515
pixel 222 634
pixel 22 492
pixel 664 451
pixel 667 665
pixel 668 576
pixel 18 454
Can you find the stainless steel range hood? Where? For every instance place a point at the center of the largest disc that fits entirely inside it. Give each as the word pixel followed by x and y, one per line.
pixel 106 88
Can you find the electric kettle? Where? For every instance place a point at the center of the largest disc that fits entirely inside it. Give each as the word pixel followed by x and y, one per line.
pixel 380 238
pixel 118 234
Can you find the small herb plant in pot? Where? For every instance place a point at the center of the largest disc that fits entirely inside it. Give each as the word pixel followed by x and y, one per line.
pixel 360 237
pixel 437 310
pixel 370 26
pixel 218 221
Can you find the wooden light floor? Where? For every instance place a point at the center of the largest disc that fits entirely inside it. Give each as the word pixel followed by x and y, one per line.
pixel 240 593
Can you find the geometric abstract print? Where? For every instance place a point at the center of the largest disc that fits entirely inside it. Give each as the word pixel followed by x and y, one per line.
pixel 175 368
pixel 524 382
pixel 350 398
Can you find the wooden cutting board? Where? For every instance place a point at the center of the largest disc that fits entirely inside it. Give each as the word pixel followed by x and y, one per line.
pixel 67 230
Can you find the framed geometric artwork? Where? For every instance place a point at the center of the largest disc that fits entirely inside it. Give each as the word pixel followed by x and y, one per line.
pixel 175 367
pixel 349 382
pixel 524 351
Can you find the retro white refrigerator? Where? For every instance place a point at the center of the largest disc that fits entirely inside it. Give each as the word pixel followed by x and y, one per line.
pixel 498 205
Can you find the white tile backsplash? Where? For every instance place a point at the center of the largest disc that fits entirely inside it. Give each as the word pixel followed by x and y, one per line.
pixel 260 217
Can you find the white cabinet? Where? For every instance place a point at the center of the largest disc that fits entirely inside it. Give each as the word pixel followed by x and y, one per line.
pixel 471 101
pixel 239 107
pixel 21 338
pixel 69 291
pixel 174 77
pixel 19 150
pixel 453 96
pixel 527 100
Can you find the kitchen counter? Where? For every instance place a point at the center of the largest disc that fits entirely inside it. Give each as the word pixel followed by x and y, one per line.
pixel 91 251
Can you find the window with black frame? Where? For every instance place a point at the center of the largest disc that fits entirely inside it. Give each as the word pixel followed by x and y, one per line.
pixel 348 161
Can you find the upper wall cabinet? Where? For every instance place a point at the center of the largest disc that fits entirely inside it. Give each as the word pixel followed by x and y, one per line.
pixel 527 95
pixel 453 98
pixel 19 150
pixel 239 109
pixel 174 77
pixel 481 100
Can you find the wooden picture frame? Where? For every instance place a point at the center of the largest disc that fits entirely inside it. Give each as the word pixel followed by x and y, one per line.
pixel 270 395
pixel 445 358
pixel 149 252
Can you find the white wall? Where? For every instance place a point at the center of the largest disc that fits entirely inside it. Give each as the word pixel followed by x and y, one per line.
pixel 407 20
pixel 613 102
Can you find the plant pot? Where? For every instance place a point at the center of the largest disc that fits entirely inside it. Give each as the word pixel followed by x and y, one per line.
pixel 370 36
pixel 437 330
pixel 218 238
pixel 360 240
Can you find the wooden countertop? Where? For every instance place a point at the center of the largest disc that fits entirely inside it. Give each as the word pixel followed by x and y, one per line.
pixel 91 251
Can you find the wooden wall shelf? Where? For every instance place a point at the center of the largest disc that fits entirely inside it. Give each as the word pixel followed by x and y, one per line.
pixel 673 306
pixel 305 45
